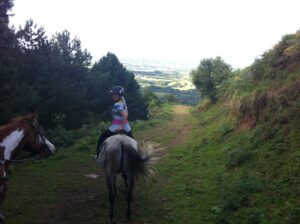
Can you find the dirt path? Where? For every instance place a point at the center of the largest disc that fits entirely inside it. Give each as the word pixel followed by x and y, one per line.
pixel 183 129
pixel 89 204
pixel 173 132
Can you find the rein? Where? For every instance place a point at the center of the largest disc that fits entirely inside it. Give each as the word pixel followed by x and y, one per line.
pixel 18 160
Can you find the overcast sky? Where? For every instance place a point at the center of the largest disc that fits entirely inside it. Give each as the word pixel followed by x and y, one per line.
pixel 171 30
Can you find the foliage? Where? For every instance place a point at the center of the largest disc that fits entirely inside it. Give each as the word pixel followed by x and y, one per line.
pixel 64 138
pixel 237 157
pixel 279 61
pixel 9 58
pixel 5 6
pixel 238 193
pixel 225 129
pixel 150 97
pixel 210 75
pixel 170 98
pixel 105 74
pixel 188 97
pixel 53 76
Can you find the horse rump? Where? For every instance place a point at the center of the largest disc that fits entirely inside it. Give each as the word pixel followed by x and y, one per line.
pixel 121 153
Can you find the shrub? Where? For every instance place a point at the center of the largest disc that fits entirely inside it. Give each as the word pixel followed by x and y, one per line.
pixel 237 157
pixel 211 74
pixel 60 137
pixel 225 129
pixel 238 193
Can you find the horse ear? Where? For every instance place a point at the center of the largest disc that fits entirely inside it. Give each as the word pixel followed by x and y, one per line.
pixel 31 117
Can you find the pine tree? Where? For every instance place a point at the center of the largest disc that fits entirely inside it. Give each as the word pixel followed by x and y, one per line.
pixel 105 74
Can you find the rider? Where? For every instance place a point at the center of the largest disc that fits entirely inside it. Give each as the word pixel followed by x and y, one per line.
pixel 120 114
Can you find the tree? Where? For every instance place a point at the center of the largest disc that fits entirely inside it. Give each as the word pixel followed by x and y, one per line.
pixel 9 58
pixel 5 6
pixel 53 77
pixel 151 99
pixel 45 76
pixel 105 74
pixel 210 75
pixel 65 95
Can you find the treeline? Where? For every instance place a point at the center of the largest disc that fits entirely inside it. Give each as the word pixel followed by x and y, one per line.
pixel 56 78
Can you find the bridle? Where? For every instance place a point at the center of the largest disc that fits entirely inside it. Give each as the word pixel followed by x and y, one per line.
pixel 39 134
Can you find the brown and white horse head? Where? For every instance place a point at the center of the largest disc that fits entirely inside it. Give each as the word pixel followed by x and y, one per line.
pixel 23 133
pixel 37 142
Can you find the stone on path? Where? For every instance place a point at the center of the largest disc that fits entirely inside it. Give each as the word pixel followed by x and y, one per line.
pixel 92 175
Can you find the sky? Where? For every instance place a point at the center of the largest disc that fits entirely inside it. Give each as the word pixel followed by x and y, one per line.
pixel 182 31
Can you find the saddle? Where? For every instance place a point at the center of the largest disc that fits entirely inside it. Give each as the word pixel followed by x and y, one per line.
pixel 121 132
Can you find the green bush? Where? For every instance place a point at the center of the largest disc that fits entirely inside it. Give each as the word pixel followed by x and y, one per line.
pixel 60 137
pixel 63 138
pixel 237 157
pixel 225 129
pixel 238 194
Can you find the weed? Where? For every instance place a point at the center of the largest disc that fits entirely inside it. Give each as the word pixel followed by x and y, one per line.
pixel 238 194
pixel 225 129
pixel 237 157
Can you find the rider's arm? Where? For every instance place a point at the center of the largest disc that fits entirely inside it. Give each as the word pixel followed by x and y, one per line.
pixel 124 121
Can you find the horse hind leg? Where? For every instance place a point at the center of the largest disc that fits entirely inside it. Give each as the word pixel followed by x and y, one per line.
pixel 115 186
pixel 3 190
pixel 130 182
pixel 125 179
pixel 110 180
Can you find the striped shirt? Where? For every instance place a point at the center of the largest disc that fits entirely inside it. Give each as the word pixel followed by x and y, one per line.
pixel 118 118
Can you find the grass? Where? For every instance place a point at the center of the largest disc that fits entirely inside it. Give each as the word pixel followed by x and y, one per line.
pixel 56 191
pixel 224 176
pixel 214 174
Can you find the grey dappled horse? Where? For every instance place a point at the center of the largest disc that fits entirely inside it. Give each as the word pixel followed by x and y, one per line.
pixel 122 154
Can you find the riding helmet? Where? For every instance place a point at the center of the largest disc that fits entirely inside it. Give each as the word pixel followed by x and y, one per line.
pixel 119 90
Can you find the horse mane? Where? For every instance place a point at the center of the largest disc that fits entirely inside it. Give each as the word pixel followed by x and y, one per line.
pixel 29 118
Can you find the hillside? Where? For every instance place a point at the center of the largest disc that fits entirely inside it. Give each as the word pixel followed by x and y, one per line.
pixel 241 160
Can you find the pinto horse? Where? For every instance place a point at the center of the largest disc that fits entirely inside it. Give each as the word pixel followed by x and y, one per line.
pixel 21 133
pixel 122 154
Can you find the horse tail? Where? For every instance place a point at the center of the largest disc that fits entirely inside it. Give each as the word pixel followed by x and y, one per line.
pixel 141 161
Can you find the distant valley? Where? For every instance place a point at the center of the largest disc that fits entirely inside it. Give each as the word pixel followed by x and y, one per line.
pixel 169 81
